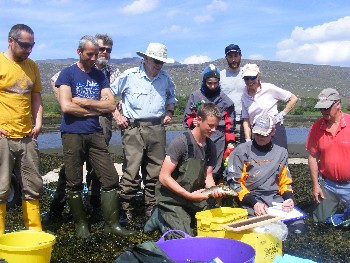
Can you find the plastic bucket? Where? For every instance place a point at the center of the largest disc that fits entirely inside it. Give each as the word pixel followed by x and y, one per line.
pixel 26 246
pixel 195 249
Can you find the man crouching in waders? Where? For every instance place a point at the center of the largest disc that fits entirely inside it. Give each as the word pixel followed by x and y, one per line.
pixel 186 170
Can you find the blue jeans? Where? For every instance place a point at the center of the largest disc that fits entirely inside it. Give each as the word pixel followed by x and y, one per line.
pixel 336 193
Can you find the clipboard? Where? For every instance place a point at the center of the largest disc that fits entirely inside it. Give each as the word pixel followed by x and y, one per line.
pixel 295 214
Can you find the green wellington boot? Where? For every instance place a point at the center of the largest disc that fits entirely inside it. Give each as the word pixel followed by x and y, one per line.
pixel 110 212
pixel 75 202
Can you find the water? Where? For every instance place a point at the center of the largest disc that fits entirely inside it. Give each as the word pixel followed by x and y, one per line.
pixel 53 140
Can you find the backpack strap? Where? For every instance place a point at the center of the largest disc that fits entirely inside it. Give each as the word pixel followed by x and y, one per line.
pixel 190 144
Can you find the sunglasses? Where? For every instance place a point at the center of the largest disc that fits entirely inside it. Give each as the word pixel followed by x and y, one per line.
pixel 334 102
pixel 23 45
pixel 158 62
pixel 103 49
pixel 250 77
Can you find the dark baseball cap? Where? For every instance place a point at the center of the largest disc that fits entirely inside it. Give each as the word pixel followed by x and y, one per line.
pixel 232 48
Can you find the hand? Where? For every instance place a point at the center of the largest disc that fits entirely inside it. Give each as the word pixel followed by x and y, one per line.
pixel 317 193
pixel 35 132
pixel 121 121
pixel 4 133
pixel 197 196
pixel 288 205
pixel 260 209
pixel 167 119
pixel 279 117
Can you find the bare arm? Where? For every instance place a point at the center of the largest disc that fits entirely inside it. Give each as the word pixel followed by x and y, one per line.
pixel 168 181
pixel 291 103
pixel 105 105
pixel 68 106
pixel 313 166
pixel 37 114
pixel 247 130
pixel 168 116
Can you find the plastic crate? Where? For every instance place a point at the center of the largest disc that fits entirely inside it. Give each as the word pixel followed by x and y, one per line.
pixel 212 220
pixel 209 224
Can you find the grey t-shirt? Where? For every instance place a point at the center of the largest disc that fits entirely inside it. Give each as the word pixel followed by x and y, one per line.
pixel 178 150
pixel 232 85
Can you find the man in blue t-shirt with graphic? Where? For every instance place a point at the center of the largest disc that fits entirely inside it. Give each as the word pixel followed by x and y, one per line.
pixel 84 95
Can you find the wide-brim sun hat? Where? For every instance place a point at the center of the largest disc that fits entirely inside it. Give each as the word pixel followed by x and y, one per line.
pixel 156 51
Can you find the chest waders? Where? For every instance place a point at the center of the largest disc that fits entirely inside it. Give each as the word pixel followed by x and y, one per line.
pixel 190 174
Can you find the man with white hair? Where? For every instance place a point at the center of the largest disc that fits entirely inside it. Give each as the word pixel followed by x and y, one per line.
pixel 148 102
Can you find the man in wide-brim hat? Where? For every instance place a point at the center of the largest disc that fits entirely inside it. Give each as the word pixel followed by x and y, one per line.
pixel 148 101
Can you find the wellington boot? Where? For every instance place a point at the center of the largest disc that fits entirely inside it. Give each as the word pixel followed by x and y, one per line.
pixel 75 202
pixel 110 211
pixel 31 215
pixel 54 215
pixel 2 218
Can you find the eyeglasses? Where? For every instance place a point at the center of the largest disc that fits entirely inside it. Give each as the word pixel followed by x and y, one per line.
pixel 250 77
pixel 158 62
pixel 24 45
pixel 334 102
pixel 103 49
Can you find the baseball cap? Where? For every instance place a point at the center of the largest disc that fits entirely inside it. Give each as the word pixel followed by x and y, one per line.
pixel 232 48
pixel 326 98
pixel 263 125
pixel 250 70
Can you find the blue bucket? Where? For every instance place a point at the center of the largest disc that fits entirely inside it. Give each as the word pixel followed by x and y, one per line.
pixel 197 249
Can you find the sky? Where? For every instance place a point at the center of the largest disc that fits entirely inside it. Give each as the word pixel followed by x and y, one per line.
pixel 194 31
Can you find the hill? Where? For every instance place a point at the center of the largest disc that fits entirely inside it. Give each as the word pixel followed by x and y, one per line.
pixel 304 80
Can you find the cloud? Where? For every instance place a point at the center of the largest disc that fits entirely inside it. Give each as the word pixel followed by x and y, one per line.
pixel 328 43
pixel 175 29
pixel 203 19
pixel 217 5
pixel 196 59
pixel 23 1
pixel 256 57
pixel 140 7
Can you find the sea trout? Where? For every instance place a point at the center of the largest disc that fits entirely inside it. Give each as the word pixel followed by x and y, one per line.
pixel 220 188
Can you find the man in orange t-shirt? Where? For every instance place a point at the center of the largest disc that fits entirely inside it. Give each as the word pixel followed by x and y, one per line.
pixel 328 144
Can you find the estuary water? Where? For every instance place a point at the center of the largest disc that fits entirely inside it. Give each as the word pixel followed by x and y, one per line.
pixel 52 140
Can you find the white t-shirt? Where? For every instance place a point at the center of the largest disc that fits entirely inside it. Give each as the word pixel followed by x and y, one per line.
pixel 232 85
pixel 264 101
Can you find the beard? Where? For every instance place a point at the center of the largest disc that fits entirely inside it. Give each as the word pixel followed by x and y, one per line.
pixel 102 62
pixel 234 65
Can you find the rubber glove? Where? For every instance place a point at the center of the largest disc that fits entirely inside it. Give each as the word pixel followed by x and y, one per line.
pixel 279 117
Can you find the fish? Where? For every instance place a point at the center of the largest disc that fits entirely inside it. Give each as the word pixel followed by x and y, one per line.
pixel 221 189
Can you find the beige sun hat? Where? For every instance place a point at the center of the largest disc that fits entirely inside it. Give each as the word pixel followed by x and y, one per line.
pixel 157 51
pixel 250 70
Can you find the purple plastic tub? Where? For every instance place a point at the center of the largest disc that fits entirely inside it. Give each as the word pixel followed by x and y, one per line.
pixel 196 249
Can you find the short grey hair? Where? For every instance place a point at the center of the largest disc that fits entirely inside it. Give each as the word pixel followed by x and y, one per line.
pixel 85 39
pixel 106 39
pixel 16 30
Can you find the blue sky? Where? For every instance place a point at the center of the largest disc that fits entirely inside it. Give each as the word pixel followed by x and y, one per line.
pixel 195 31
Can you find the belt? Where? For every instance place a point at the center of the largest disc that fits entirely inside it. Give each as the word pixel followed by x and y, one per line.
pixel 145 122
pixel 337 182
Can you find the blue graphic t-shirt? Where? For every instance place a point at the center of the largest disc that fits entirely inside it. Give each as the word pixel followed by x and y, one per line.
pixel 83 85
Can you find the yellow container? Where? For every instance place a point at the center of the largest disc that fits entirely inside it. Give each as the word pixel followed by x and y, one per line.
pixel 27 246
pixel 209 223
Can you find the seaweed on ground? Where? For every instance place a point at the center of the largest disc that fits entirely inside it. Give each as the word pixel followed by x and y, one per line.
pixel 324 243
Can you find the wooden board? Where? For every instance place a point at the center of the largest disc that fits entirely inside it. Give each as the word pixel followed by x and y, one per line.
pixel 251 222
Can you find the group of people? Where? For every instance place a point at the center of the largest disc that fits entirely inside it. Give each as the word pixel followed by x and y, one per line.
pixel 232 107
